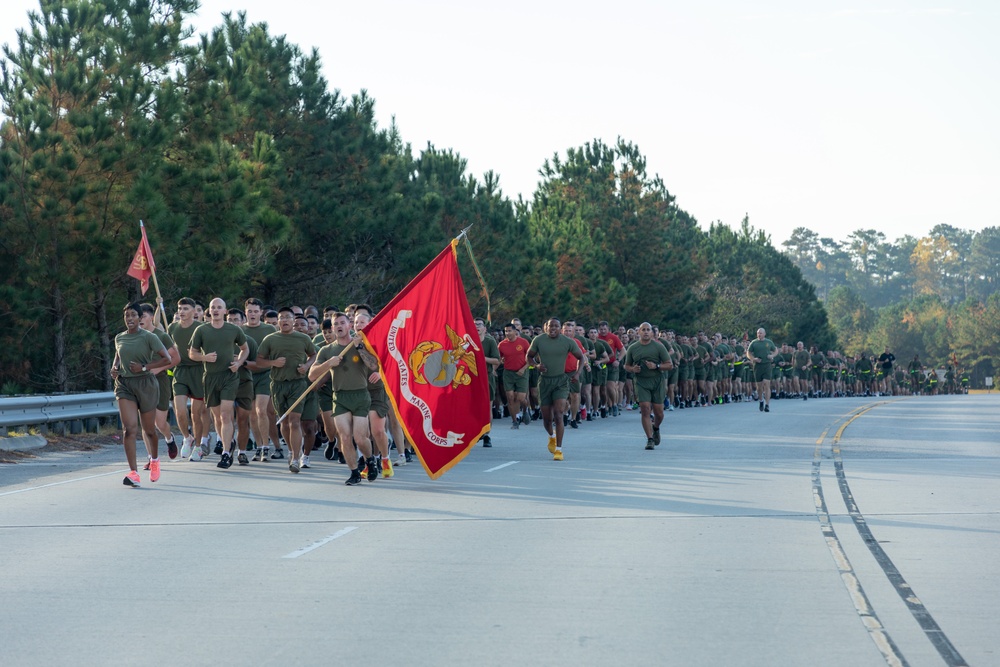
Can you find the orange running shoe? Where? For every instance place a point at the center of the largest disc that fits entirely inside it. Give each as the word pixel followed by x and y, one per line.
pixel 386 468
pixel 154 470
pixel 132 479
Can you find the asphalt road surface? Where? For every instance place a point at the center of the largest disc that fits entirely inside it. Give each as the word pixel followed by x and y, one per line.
pixel 827 532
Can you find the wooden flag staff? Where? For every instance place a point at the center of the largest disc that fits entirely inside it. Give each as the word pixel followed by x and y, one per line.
pixel 316 382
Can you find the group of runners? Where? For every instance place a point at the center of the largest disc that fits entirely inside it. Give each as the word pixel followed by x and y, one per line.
pixel 235 371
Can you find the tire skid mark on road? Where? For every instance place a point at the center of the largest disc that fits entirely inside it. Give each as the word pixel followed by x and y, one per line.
pixel 919 612
pixel 879 635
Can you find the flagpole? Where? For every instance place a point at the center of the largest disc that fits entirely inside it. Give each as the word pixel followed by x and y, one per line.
pixel 156 285
pixel 315 383
pixel 479 274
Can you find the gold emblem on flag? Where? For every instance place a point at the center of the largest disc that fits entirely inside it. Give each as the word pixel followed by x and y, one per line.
pixel 438 366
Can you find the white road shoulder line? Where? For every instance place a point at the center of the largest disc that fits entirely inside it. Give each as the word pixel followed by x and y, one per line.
pixel 67 481
pixel 317 545
pixel 510 463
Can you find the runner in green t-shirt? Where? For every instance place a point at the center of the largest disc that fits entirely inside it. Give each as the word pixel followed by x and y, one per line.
pixel 548 353
pixel 761 353
pixel 214 344
pixel 648 359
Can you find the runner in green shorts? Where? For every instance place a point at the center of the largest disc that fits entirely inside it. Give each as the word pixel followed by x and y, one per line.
pixel 548 353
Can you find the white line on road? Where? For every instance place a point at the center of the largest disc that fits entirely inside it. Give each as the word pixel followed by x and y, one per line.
pixel 502 466
pixel 67 481
pixel 317 545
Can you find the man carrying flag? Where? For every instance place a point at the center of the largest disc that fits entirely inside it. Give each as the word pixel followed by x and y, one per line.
pixel 433 365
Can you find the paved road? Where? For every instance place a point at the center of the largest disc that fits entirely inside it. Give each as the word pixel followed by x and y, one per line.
pixel 828 532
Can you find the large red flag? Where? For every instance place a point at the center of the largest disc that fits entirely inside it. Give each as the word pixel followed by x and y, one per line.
pixel 142 266
pixel 432 365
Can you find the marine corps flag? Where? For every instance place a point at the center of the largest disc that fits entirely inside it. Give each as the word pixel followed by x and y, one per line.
pixel 432 364
pixel 142 266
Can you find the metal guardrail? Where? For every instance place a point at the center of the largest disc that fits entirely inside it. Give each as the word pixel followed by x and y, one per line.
pixel 72 412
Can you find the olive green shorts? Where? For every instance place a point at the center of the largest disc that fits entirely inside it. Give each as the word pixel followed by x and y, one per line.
pixel 761 372
pixel 165 383
pixel 379 399
pixel 356 402
pixel 220 387
pixel 649 390
pixel 551 389
pixel 262 384
pixel 285 392
pixel 189 381
pixel 310 406
pixel 514 382
pixel 142 390
pixel 244 394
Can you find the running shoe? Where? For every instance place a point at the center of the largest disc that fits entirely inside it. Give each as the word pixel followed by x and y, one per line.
pixel 279 453
pixel 195 454
pixel 487 442
pixel 186 448
pixel 132 479
pixel 242 459
pixel 557 455
pixel 409 456
pixel 387 468
pixel 400 460
pixel 204 449
pixel 767 408
pixel 355 478
pixel 218 447
pixel 526 418
pixel 761 406
pixel 574 423
pixel 171 449
pixel 650 444
pixel 656 436
pixel 304 461
pixel 293 466
pixel 362 465
pixel 372 469
pixel 331 449
pixel 340 457
pixel 225 461
pixel 514 426
pixel 154 470
pixel 552 444
pixel 149 462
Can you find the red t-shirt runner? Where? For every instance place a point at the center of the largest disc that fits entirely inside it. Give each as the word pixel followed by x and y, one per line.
pixel 614 342
pixel 572 363
pixel 514 353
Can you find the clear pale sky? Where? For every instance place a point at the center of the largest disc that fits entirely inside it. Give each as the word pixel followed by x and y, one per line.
pixel 832 116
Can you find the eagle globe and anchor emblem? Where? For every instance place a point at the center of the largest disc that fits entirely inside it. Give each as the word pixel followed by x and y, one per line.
pixel 434 364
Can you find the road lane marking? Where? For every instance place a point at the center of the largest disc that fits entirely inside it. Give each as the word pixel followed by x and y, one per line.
pixel 66 481
pixel 879 635
pixel 509 463
pixel 317 545
pixel 916 608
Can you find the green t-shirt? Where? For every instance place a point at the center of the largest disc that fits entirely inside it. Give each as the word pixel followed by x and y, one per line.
pixel 259 332
pixel 142 347
pixel 491 350
pixel 553 352
pixel 600 349
pixel 223 341
pixel 351 374
pixel 652 351
pixel 181 336
pixel 761 349
pixel 863 366
pixel 296 347
pixel 818 360
pixel 801 358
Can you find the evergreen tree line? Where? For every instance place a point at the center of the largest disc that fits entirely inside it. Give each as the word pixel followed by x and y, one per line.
pixel 937 296
pixel 255 178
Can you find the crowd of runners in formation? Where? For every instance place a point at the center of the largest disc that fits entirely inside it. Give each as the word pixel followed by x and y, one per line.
pixel 236 370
